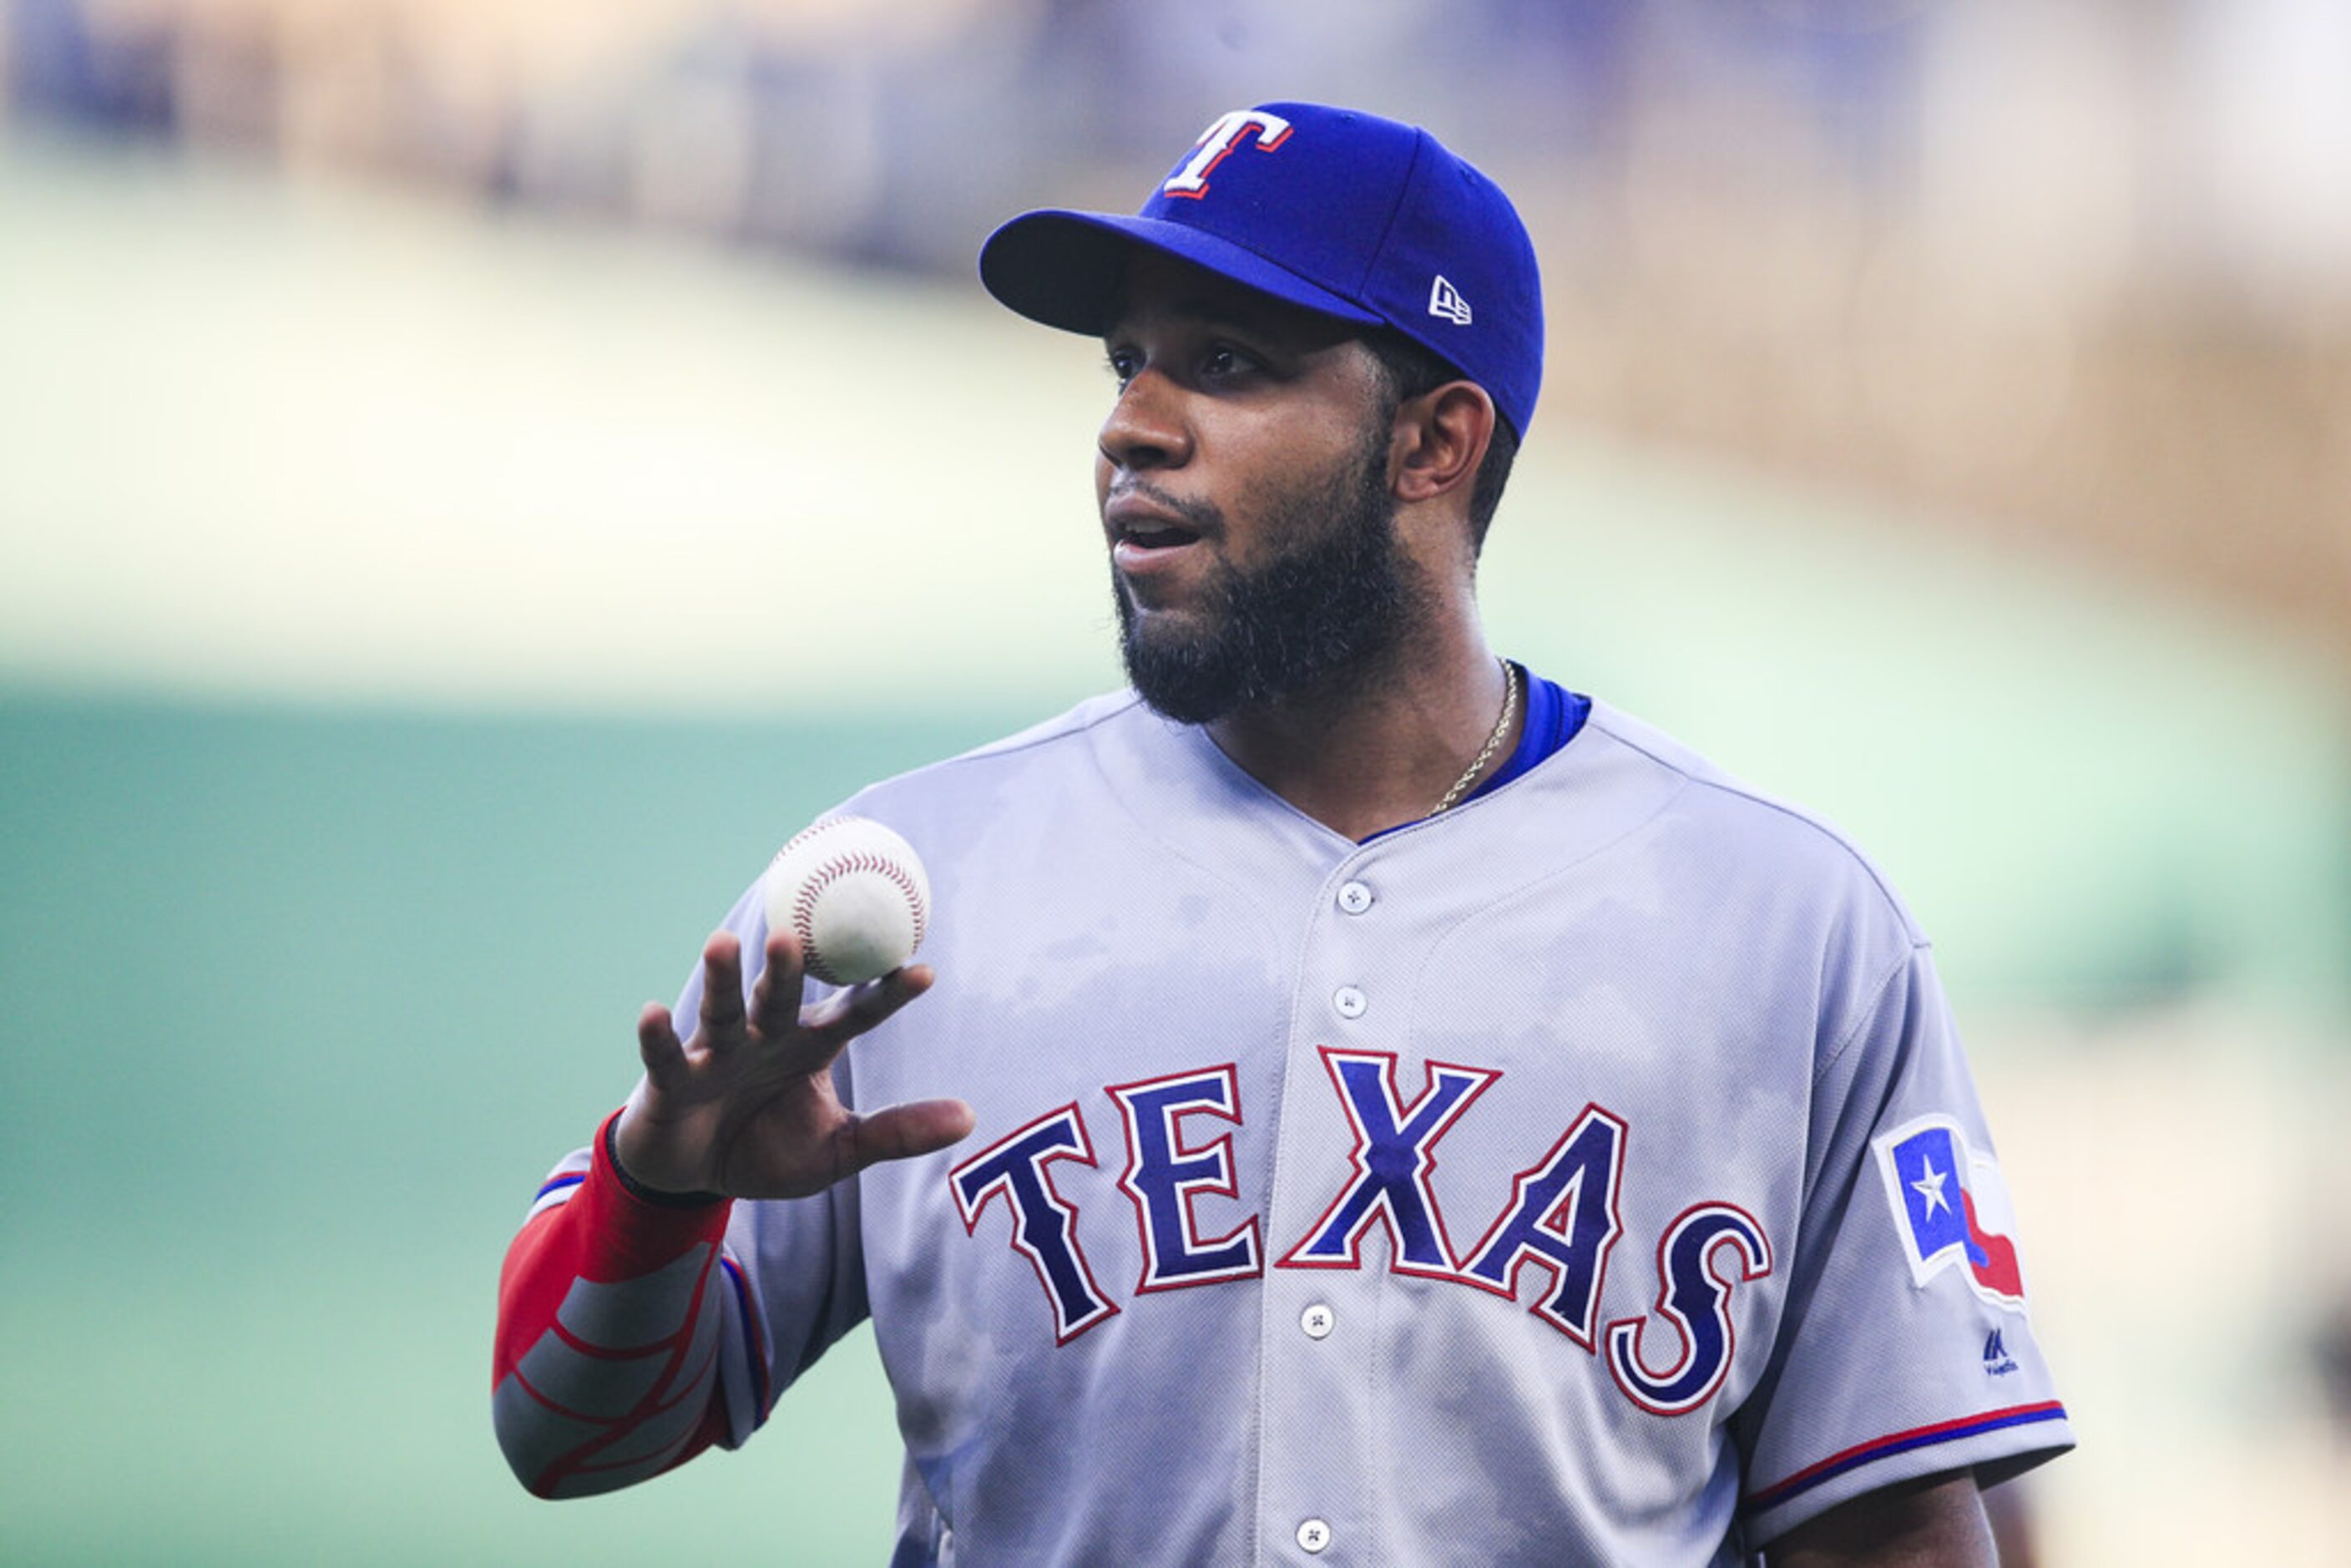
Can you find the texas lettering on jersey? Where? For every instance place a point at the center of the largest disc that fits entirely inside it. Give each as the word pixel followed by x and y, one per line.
pixel 1560 1217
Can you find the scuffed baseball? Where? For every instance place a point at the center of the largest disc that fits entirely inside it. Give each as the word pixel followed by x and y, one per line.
pixel 855 894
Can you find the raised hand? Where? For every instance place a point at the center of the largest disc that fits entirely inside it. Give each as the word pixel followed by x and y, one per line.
pixel 747 1107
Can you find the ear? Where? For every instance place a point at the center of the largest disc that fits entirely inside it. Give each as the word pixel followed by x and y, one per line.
pixel 1440 438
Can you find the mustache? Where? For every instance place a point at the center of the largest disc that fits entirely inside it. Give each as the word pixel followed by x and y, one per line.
pixel 1203 518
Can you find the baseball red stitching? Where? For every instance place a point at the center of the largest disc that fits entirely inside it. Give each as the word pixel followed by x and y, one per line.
pixel 832 870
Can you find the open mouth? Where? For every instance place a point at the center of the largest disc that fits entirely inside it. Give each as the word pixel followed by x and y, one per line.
pixel 1150 534
pixel 1156 535
pixel 1145 537
pixel 1145 553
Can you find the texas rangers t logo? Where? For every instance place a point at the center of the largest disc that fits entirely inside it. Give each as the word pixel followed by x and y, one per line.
pixel 1221 139
pixel 1946 1200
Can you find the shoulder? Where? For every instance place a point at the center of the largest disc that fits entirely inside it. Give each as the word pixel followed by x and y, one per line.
pixel 1079 724
pixel 1774 890
pixel 1039 762
pixel 1745 836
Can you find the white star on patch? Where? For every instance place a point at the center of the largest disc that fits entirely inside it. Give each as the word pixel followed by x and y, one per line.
pixel 1930 1187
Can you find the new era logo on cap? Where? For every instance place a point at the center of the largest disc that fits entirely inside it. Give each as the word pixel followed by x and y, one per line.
pixel 1445 300
pixel 1369 221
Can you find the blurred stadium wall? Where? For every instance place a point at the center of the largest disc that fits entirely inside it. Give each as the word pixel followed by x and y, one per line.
pixel 472 478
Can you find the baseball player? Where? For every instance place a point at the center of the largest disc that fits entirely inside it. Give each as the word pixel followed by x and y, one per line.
pixel 1369 1103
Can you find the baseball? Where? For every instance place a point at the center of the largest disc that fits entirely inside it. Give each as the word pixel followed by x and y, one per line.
pixel 856 895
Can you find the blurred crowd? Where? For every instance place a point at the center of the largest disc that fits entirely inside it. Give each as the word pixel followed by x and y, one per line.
pixel 867 130
pixel 2079 270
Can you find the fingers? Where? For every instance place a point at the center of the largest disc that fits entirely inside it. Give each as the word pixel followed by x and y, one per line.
pixel 775 1001
pixel 845 1015
pixel 722 990
pixel 903 1132
pixel 657 1044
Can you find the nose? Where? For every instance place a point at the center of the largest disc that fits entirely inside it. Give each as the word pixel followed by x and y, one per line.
pixel 1147 428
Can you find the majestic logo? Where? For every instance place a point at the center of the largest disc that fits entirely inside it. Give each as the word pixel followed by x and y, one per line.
pixel 1445 300
pixel 1217 141
pixel 1998 1362
pixel 1950 1207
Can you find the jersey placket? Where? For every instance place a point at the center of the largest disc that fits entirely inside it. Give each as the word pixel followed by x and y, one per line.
pixel 1319 1460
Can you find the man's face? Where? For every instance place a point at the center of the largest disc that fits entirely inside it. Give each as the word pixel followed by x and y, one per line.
pixel 1243 478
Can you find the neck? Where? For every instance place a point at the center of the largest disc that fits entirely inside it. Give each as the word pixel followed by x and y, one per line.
pixel 1380 748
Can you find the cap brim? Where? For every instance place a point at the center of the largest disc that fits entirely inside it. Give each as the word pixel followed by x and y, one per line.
pixel 1066 268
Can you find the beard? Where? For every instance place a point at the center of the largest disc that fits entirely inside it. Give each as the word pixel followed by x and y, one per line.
pixel 1327 613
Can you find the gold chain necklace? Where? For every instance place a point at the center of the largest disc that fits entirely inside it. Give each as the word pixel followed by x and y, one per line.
pixel 1501 727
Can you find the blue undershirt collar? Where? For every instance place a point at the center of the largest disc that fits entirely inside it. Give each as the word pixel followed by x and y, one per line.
pixel 1554 713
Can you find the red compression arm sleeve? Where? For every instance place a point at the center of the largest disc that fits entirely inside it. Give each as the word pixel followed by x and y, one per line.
pixel 610 1311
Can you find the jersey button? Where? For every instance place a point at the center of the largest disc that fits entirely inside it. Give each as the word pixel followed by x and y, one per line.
pixel 1354 897
pixel 1350 1002
pixel 1314 1535
pixel 1317 1321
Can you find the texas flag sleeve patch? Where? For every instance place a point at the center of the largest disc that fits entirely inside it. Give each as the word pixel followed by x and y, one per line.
pixel 1950 1208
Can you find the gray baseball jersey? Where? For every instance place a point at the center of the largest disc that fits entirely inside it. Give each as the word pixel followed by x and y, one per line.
pixel 1589 1174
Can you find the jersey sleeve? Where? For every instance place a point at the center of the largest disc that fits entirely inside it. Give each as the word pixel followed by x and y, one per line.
pixel 633 1332
pixel 1906 1348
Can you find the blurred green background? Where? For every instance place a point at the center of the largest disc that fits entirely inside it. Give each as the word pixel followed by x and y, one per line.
pixel 301 1003
pixel 427 598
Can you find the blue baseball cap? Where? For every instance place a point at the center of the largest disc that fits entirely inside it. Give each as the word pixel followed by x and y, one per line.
pixel 1343 213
